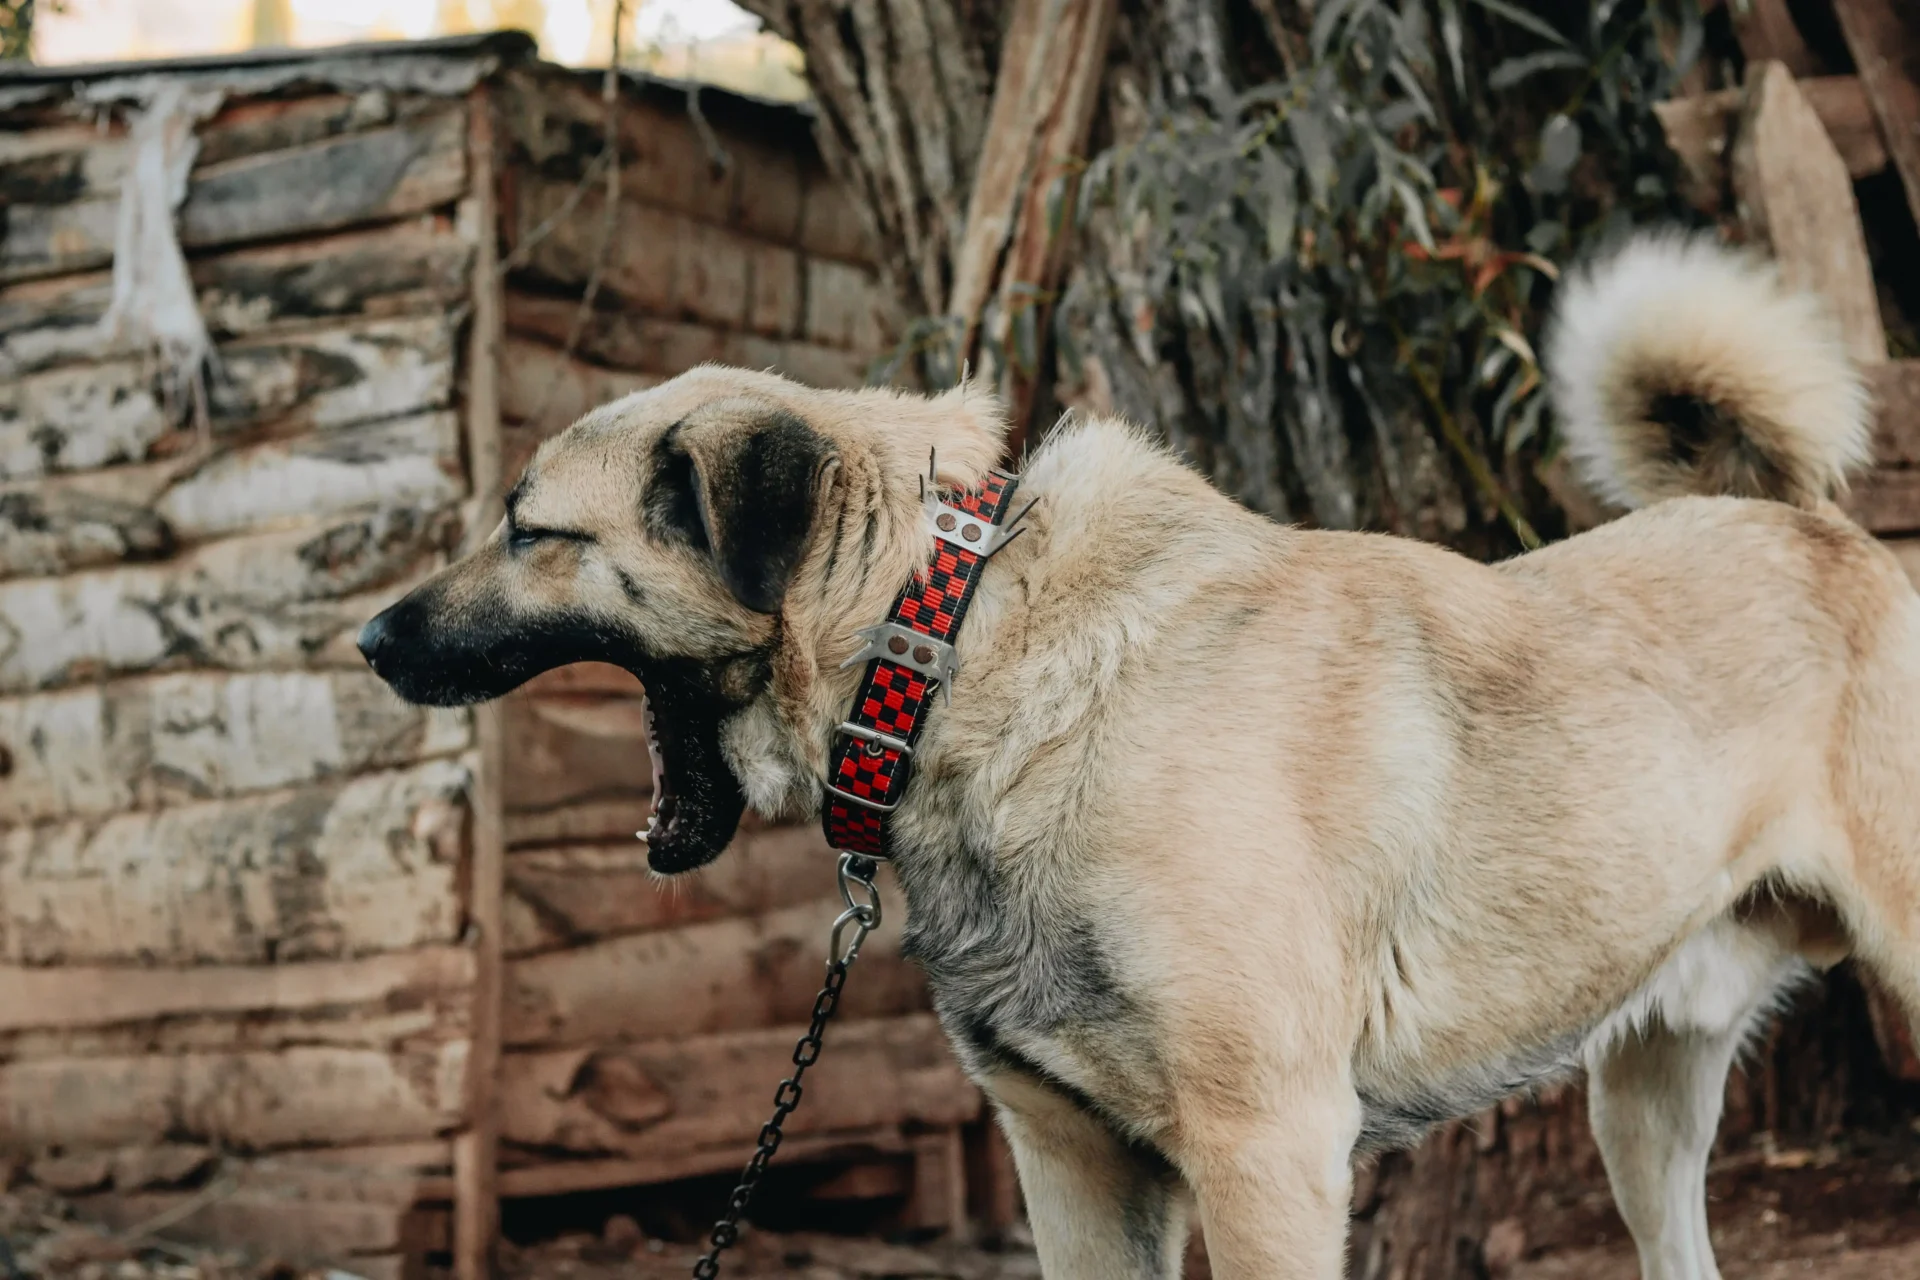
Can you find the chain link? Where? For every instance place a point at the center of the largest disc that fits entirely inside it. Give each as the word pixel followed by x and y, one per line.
pixel 864 917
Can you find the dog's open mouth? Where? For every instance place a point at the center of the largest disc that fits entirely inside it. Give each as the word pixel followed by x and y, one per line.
pixel 660 818
pixel 697 803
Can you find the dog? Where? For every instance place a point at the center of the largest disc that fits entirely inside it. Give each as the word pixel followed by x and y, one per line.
pixel 1244 851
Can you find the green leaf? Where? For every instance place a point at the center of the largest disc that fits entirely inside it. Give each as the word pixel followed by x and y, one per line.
pixel 1279 205
pixel 1514 70
pixel 1450 36
pixel 1521 18
pixel 1416 213
pixel 1559 151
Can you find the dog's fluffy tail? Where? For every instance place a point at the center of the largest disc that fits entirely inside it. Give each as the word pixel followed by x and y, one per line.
pixel 1678 366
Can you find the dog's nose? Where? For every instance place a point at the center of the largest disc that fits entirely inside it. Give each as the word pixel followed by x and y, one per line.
pixel 373 638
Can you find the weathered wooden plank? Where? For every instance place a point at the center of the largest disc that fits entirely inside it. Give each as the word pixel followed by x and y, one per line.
pixel 847 307
pixel 562 896
pixel 413 267
pixel 1794 195
pixel 1907 552
pixel 571 749
pixel 1895 386
pixel 594 820
pixel 50 526
pixel 763 186
pixel 1767 33
pixel 721 975
pixel 425 1016
pixel 419 266
pixel 382 173
pixel 540 386
pixel 1884 38
pixel 1842 105
pixel 641 1100
pixel 831 223
pixel 60 164
pixel 1699 127
pixel 662 263
pixel 68 419
pixel 411 462
pixel 274 599
pixel 107 748
pixel 298 1096
pixel 372 864
pixel 624 340
pixel 301 1231
pixel 75 417
pixel 254 126
pixel 371 175
pixel 43 240
pixel 333 377
pixel 562 1177
pixel 518 443
pixel 80 520
pixel 559 127
pixel 93 995
pixel 127 1168
pixel 1886 501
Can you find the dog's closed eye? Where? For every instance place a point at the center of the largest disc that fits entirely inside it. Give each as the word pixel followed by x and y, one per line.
pixel 520 538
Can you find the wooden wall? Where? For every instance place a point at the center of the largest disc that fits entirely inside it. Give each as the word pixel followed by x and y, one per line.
pixel 644 1029
pixel 250 970
pixel 233 868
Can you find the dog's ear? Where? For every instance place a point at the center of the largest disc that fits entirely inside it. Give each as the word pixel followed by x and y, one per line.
pixel 741 483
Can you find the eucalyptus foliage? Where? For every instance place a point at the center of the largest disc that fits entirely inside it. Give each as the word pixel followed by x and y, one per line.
pixel 1412 184
pixel 1341 260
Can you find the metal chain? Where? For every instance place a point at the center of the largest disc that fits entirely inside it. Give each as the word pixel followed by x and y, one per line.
pixel 863 915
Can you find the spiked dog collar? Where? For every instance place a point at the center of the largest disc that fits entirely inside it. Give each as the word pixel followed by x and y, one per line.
pixel 870 757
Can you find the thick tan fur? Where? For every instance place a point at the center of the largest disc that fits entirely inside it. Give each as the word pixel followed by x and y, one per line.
pixel 1359 831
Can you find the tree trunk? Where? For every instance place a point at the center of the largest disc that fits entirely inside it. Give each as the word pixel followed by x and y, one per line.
pixel 1295 418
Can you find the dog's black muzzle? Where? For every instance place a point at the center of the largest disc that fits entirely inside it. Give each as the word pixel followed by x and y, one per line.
pixel 434 654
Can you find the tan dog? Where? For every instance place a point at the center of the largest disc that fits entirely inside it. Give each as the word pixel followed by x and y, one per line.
pixel 1243 850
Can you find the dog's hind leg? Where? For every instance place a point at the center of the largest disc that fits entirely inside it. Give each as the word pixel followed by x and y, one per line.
pixel 1657 1078
pixel 1655 1103
pixel 1100 1207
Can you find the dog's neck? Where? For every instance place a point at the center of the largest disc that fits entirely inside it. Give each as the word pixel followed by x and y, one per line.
pixel 1117 530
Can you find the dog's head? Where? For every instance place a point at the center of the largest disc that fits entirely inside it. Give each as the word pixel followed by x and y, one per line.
pixel 719 536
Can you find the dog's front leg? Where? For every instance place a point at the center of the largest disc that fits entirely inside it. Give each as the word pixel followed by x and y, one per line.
pixel 1100 1207
pixel 1274 1190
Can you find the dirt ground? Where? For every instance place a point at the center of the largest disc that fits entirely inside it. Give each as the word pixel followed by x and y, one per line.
pixel 1835 1214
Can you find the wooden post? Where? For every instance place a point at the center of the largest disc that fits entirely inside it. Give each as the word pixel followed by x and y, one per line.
pixel 939 1198
pixel 1884 37
pixel 1794 194
pixel 1767 33
pixel 475 1161
pixel 994 1184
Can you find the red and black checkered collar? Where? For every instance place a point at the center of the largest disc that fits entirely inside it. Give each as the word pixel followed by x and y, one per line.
pixel 870 757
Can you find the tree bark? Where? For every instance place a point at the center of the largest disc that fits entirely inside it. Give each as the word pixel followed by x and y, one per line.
pixel 1286 419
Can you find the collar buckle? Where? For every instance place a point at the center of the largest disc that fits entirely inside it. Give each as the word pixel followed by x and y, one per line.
pixel 873 738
